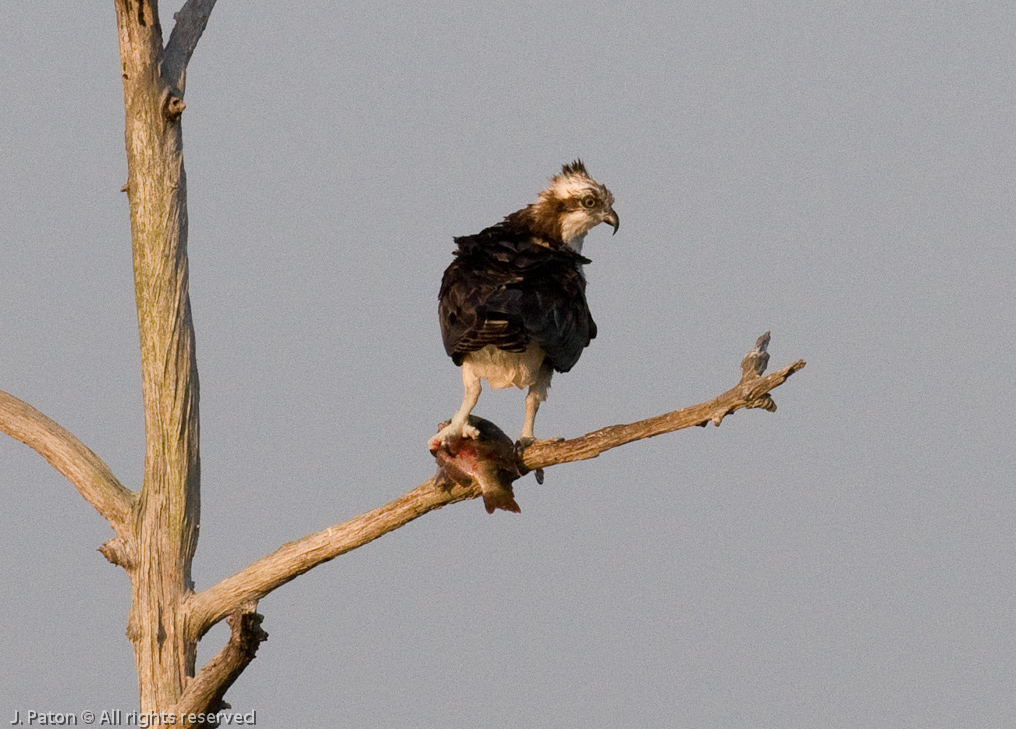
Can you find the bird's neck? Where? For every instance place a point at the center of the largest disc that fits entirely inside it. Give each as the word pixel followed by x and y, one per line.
pixel 548 220
pixel 576 242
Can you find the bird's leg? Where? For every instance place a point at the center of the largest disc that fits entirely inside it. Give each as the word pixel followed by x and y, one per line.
pixel 537 394
pixel 532 406
pixel 459 427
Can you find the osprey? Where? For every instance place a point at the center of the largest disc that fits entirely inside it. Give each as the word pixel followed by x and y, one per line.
pixel 513 302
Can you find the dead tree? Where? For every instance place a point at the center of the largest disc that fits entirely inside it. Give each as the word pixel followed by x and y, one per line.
pixel 156 526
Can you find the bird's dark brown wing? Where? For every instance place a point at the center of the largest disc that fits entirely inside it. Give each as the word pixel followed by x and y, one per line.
pixel 504 289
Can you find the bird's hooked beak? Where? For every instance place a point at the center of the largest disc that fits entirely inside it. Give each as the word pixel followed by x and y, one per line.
pixel 611 217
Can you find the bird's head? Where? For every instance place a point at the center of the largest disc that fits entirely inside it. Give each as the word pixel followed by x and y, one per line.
pixel 572 205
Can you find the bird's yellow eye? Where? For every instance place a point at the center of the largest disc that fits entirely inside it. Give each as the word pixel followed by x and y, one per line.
pixel 589 201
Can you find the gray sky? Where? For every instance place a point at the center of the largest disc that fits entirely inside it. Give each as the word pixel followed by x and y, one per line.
pixel 839 173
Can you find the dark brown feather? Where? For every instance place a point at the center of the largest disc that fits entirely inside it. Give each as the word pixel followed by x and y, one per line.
pixel 506 289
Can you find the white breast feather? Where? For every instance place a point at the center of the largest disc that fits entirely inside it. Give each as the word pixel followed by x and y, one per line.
pixel 504 369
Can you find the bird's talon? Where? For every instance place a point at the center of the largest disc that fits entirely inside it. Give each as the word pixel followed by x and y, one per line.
pixel 449 433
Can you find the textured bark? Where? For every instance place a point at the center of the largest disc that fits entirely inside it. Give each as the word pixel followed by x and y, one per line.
pixel 169 504
pixel 751 392
pixel 90 475
pixel 204 695
pixel 291 560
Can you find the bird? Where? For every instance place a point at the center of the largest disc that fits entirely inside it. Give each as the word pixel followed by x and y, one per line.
pixel 512 304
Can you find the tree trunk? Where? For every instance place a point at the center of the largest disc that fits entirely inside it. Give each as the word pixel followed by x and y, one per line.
pixel 167 517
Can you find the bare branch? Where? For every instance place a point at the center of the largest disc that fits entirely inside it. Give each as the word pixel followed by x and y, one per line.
pixel 751 392
pixel 204 693
pixel 208 607
pixel 86 471
pixel 191 20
